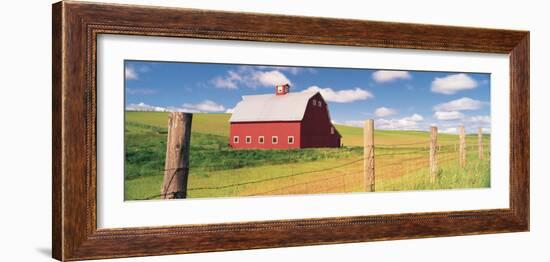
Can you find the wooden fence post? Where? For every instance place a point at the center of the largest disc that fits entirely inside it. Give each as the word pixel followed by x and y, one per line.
pixel 480 143
pixel 433 157
pixel 177 156
pixel 462 146
pixel 368 155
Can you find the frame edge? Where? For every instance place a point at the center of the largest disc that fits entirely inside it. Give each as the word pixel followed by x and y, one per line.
pixel 520 130
pixel 57 74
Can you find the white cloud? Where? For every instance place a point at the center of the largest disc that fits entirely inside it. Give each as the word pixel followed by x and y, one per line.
pixel 448 115
pixel 415 117
pixel 468 128
pixel 479 120
pixel 141 91
pixel 341 96
pixel 448 130
pixel 269 78
pixel 405 123
pixel 230 81
pixel 453 83
pixel 464 103
pixel 291 69
pixel 230 110
pixel 182 109
pixel 205 106
pixel 130 73
pixel 221 82
pixel 383 76
pixel 355 123
pixel 384 111
pixel 250 77
pixel 470 123
pixel 475 122
pixel 145 107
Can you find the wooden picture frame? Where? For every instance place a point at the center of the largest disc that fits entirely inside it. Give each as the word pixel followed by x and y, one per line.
pixel 76 26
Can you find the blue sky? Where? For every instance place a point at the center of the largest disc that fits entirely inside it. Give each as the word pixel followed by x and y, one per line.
pixel 397 100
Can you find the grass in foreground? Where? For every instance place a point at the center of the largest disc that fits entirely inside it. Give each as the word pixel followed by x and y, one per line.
pixel 476 174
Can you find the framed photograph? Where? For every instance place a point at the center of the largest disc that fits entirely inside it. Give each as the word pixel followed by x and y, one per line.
pixel 180 130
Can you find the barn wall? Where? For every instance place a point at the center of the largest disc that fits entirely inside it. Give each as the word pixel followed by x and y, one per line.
pixel 316 126
pixel 266 129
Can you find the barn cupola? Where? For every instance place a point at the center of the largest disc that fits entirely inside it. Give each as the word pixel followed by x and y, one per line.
pixel 281 90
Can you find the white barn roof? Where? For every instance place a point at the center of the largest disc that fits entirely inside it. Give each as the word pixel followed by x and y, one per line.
pixel 271 107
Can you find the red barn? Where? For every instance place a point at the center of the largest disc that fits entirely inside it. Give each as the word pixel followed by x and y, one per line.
pixel 282 120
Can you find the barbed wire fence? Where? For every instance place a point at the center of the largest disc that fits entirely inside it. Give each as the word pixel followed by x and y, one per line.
pixel 347 174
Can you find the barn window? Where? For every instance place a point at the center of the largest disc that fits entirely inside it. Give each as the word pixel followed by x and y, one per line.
pixel 291 140
pixel 332 130
pixel 261 139
pixel 236 139
pixel 274 139
pixel 314 102
pixel 248 139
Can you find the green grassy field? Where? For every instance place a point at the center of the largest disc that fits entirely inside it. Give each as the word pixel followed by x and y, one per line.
pixel 218 171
